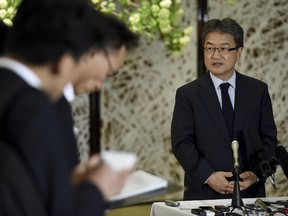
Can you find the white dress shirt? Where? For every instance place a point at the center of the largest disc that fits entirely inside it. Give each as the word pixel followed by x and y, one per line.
pixel 22 71
pixel 231 91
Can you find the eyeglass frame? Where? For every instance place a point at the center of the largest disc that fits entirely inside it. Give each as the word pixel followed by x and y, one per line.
pixel 220 50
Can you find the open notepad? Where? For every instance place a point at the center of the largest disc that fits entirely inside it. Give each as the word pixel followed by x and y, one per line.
pixel 140 182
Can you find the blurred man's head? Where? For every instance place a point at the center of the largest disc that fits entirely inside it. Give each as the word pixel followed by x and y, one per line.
pixel 70 40
pixel 96 68
pixel 43 31
pixel 112 40
pixel 51 37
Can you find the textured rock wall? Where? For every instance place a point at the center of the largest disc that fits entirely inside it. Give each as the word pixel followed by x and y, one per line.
pixel 137 105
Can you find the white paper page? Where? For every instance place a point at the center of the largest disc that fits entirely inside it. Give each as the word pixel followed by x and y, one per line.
pixel 140 182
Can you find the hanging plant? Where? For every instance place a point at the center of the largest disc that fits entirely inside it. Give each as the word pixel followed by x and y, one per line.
pixel 150 18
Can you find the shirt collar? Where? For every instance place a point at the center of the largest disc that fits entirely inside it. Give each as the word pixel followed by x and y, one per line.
pixel 22 71
pixel 68 92
pixel 216 81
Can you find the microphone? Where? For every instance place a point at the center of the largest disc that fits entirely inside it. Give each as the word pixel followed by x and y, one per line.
pixel 267 166
pixel 259 202
pixel 282 157
pixel 236 196
pixel 268 169
pixel 235 147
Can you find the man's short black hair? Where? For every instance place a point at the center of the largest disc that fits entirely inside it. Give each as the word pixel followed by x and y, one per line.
pixel 110 33
pixel 44 30
pixel 228 26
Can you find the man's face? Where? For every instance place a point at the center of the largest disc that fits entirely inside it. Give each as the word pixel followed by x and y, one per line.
pixel 95 67
pixel 219 64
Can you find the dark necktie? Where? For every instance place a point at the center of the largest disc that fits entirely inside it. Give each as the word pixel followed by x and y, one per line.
pixel 227 108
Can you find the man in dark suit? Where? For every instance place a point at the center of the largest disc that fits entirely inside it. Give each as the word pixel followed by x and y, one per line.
pixel 201 136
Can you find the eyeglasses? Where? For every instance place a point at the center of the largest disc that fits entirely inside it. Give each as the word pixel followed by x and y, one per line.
pixel 112 72
pixel 221 50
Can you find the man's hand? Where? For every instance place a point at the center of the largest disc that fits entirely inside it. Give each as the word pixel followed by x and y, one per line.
pixel 81 171
pixel 109 181
pixel 218 182
pixel 95 171
pixel 249 178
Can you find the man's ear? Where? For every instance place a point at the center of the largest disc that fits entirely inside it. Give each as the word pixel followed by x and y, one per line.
pixel 239 51
pixel 65 64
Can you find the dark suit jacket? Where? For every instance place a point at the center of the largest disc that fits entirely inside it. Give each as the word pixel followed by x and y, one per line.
pixel 18 196
pixel 200 140
pixel 29 125
pixel 65 119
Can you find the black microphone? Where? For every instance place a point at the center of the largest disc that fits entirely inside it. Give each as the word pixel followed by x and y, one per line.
pixel 267 166
pixel 282 157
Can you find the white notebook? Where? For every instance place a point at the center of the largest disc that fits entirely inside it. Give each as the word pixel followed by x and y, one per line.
pixel 140 182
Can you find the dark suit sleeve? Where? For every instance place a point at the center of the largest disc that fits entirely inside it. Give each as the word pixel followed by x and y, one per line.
pixel 89 201
pixel 267 131
pixel 183 141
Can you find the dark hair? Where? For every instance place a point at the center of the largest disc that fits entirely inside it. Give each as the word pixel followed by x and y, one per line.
pixel 227 25
pixel 3 32
pixel 45 30
pixel 110 33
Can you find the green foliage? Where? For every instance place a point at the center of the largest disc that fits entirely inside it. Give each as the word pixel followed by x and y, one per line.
pixel 150 18
pixel 8 10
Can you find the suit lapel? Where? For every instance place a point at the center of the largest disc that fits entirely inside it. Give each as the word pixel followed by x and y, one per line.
pixel 206 92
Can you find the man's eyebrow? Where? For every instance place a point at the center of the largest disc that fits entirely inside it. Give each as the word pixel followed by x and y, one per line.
pixel 225 43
